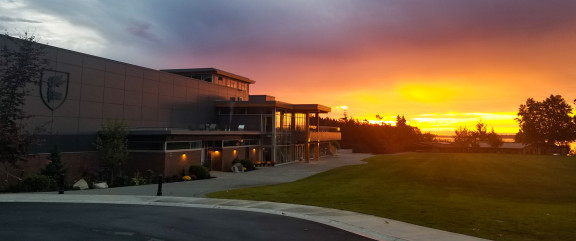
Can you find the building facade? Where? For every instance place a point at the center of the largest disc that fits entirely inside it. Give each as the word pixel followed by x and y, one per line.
pixel 176 117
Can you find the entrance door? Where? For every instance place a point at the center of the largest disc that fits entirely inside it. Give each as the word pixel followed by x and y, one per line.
pixel 300 152
pixel 208 159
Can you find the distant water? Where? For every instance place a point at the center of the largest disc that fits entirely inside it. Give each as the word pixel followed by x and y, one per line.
pixel 505 138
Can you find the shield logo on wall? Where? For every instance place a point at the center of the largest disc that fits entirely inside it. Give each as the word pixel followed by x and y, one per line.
pixel 53 88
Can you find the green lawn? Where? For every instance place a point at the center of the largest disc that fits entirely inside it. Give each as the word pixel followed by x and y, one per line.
pixel 499 197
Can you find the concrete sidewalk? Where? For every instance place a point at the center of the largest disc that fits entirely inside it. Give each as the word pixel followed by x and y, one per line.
pixel 361 224
pixel 228 181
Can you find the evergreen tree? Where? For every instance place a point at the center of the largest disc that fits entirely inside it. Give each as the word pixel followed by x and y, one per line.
pixel 55 168
pixel 112 146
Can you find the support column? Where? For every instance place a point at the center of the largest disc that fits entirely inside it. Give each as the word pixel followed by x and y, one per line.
pixel 307 143
pixel 317 143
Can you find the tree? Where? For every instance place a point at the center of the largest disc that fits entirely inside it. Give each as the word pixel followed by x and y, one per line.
pixel 547 121
pixel 481 131
pixel 112 146
pixel 20 65
pixel 55 168
pixel 464 137
pixel 428 137
pixel 400 121
pixel 494 140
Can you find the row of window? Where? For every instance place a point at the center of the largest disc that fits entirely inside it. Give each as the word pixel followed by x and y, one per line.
pixel 245 111
pixel 284 121
pixel 222 80
pixel 186 145
pixel 232 83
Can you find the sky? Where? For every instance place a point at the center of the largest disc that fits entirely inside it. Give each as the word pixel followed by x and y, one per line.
pixel 441 64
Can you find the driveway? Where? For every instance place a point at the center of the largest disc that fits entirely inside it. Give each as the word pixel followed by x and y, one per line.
pixel 81 221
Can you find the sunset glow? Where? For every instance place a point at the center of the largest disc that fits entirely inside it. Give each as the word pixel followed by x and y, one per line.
pixel 440 64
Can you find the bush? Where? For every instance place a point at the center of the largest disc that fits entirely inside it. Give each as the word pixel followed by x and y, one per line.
pixel 39 183
pixel 122 181
pixel 200 172
pixel 247 163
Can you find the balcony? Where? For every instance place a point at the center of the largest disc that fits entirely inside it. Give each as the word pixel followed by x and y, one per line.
pixel 326 133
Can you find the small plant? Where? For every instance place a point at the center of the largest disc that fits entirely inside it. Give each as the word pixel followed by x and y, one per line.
pixel 200 172
pixel 186 178
pixel 138 180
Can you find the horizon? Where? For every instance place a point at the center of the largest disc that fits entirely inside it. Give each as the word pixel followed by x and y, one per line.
pixel 441 65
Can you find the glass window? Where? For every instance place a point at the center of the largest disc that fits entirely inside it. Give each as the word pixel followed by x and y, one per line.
pixel 205 77
pixel 177 145
pixel 287 122
pixel 278 119
pixel 195 145
pixel 300 119
pixel 210 144
pixel 183 145
pixel 231 143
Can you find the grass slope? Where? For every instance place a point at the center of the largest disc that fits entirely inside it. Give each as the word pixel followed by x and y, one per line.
pixel 499 197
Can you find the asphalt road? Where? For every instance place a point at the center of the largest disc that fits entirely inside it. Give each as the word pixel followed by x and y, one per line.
pixel 65 221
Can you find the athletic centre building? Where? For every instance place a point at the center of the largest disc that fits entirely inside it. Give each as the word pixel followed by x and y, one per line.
pixel 176 117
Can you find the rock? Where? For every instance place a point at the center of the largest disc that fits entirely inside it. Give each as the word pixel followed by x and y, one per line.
pixel 237 168
pixel 80 184
pixel 101 185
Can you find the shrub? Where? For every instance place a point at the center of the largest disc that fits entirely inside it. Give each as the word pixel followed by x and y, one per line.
pixel 173 178
pixel 138 180
pixel 39 183
pixel 122 181
pixel 336 144
pixel 247 163
pixel 186 178
pixel 135 181
pixel 150 176
pixel 200 172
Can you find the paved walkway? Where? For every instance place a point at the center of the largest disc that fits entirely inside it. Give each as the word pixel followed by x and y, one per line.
pixel 228 180
pixel 189 194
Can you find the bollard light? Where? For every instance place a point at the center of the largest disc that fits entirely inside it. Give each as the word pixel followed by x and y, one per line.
pixel 61 184
pixel 160 180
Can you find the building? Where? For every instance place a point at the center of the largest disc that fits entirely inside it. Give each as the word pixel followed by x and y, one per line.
pixel 177 117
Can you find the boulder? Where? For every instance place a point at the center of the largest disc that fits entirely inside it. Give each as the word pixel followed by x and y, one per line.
pixel 101 185
pixel 237 168
pixel 80 184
